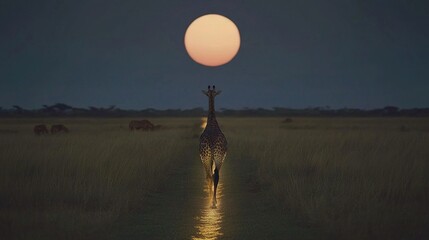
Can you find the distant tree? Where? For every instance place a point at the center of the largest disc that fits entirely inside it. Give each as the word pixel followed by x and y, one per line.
pixel 390 110
pixel 94 109
pixel 111 108
pixel 149 110
pixel 47 109
pixel 62 106
pixel 18 108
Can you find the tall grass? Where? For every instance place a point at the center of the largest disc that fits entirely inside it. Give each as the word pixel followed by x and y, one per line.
pixel 355 178
pixel 73 185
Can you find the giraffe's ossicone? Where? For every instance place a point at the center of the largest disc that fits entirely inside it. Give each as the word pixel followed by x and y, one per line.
pixel 213 144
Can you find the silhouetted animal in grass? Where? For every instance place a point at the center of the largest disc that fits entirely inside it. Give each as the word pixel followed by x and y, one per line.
pixel 144 125
pixel 59 128
pixel 213 144
pixel 288 120
pixel 40 129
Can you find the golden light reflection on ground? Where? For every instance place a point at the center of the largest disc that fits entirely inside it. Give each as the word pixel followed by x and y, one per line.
pixel 203 122
pixel 209 223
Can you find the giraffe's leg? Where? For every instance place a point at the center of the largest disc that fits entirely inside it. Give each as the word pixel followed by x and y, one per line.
pixel 208 186
pixel 209 180
pixel 215 181
pixel 208 175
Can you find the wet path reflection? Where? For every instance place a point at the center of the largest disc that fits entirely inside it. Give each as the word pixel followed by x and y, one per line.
pixel 209 222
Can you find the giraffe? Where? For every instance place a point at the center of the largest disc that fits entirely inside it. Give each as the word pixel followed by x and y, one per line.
pixel 213 144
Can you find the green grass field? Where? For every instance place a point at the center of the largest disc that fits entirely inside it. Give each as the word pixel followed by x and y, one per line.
pixel 354 178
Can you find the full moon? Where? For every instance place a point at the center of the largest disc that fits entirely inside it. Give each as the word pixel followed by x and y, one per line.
pixel 212 40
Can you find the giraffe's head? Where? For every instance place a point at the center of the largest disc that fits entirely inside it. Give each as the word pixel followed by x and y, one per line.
pixel 211 93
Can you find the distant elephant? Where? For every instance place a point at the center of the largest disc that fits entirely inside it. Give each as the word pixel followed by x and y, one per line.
pixel 40 129
pixel 144 125
pixel 59 128
pixel 157 127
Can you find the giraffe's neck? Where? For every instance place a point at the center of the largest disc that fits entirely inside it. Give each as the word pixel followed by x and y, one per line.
pixel 211 118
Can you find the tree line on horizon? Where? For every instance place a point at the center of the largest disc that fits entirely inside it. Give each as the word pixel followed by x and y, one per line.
pixel 64 110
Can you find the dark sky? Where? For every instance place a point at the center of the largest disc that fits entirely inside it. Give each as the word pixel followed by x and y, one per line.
pixel 130 53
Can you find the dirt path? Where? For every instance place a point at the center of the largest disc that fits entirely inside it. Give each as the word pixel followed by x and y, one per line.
pixel 183 210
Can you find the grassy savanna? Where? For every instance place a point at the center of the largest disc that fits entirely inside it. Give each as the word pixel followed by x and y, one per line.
pixel 355 178
pixel 73 185
pixel 352 178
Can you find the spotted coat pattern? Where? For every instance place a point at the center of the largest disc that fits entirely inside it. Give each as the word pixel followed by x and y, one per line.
pixel 213 144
